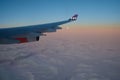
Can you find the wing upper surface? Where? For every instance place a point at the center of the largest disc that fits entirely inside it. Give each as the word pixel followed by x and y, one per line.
pixel 30 33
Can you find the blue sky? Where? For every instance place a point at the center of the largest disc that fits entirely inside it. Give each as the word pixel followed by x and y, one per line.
pixel 25 12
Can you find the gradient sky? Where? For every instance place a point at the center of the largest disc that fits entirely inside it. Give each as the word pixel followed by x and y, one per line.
pixel 26 12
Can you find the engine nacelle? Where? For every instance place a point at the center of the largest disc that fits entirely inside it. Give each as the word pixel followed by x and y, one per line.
pixel 33 37
pixel 28 37
pixel 19 40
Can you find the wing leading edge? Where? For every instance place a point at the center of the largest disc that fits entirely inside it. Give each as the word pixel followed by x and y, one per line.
pixel 30 33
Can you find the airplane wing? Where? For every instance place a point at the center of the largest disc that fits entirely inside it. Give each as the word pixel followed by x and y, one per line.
pixel 30 33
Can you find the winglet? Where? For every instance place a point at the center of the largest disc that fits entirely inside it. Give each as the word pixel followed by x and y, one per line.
pixel 74 17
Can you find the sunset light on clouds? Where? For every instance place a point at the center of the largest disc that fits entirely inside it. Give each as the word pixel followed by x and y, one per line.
pixel 86 49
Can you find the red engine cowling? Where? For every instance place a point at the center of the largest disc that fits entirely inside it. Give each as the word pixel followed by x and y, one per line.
pixel 28 37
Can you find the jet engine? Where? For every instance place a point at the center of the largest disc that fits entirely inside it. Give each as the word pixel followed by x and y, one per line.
pixel 28 37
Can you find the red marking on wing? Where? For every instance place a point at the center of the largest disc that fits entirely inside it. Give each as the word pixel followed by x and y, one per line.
pixel 22 40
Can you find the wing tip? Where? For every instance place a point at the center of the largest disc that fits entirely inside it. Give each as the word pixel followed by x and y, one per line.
pixel 74 17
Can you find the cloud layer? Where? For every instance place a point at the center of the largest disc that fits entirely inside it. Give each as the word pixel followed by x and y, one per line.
pixel 74 54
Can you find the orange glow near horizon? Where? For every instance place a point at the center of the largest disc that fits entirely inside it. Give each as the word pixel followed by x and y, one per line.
pixel 104 35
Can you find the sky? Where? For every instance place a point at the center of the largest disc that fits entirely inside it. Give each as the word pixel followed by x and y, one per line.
pixel 29 12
